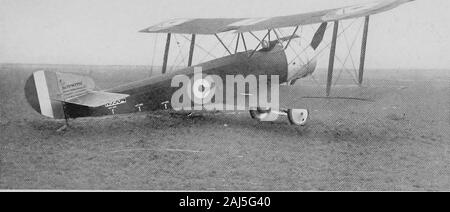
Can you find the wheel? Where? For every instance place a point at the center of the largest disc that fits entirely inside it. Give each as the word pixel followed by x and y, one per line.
pixel 254 114
pixel 297 116
pixel 258 113
pixel 263 115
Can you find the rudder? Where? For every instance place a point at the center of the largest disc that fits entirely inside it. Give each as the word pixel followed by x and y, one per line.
pixel 46 91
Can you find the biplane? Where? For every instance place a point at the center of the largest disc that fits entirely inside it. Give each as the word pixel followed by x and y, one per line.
pixel 67 96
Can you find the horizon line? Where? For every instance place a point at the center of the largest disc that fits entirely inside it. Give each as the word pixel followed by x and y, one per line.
pixel 124 65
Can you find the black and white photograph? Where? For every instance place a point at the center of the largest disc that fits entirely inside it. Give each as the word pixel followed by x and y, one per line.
pixel 225 96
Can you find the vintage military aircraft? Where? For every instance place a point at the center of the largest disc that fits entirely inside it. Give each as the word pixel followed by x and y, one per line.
pixel 65 95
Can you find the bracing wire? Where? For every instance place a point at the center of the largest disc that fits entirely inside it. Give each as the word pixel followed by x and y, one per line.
pixel 293 49
pixel 349 47
pixel 229 45
pixel 178 55
pixel 153 54
pixel 208 53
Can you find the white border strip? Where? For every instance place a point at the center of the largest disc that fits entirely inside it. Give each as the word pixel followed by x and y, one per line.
pixel 43 94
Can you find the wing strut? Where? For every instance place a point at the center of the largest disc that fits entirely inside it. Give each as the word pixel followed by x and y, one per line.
pixel 256 37
pixel 243 41
pixel 363 50
pixel 237 43
pixel 166 53
pixel 259 44
pixel 223 44
pixel 191 50
pixel 332 55
pixel 292 36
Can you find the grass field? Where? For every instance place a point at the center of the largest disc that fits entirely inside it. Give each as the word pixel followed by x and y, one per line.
pixel 399 142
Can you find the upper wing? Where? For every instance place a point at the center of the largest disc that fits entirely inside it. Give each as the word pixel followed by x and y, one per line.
pixel 217 25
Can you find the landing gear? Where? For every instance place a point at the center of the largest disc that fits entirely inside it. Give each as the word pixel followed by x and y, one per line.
pixel 261 114
pixel 295 116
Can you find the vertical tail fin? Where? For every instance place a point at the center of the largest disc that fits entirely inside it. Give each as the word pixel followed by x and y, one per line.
pixel 46 91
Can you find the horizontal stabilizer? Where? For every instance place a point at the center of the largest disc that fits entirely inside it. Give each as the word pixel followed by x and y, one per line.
pixel 97 98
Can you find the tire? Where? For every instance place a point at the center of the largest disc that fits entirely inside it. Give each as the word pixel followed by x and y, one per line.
pixel 298 116
pixel 263 115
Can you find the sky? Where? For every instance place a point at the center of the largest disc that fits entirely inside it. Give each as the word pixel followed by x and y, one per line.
pixel 105 32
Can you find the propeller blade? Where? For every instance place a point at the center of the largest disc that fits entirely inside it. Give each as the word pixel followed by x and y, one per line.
pixel 318 36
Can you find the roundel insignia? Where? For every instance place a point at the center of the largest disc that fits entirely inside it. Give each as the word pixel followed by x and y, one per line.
pixel 248 22
pixel 202 90
pixel 168 24
pixel 349 11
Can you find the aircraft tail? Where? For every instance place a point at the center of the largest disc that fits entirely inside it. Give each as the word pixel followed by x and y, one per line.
pixel 48 91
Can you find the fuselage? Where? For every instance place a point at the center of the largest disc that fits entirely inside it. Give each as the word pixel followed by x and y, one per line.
pixel 155 93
